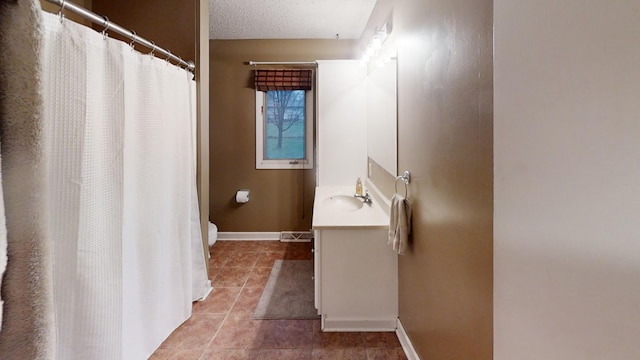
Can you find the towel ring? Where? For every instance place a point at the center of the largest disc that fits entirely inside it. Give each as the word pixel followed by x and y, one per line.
pixel 406 179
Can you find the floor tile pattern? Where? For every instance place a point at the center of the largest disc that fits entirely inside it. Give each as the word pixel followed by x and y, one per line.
pixel 222 327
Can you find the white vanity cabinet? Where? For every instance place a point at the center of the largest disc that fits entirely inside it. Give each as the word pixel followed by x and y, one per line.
pixel 356 280
pixel 356 271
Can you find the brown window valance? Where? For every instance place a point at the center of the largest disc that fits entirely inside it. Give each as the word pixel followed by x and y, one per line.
pixel 266 80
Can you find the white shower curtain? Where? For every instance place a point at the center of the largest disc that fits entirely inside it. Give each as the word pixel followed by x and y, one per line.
pixel 128 258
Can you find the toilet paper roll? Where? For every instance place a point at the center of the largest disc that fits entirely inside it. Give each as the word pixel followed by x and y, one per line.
pixel 242 196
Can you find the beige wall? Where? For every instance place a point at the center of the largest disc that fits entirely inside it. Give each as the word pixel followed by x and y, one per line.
pixel 281 200
pixel 567 175
pixel 445 115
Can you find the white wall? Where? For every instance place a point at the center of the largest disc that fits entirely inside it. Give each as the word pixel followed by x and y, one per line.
pixel 567 179
pixel 342 122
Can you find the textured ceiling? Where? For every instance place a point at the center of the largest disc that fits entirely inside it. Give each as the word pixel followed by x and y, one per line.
pixel 288 19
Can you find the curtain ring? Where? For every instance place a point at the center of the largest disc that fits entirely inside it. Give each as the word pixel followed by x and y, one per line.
pixel 153 49
pixel 60 12
pixel 190 65
pixel 107 25
pixel 168 56
pixel 133 40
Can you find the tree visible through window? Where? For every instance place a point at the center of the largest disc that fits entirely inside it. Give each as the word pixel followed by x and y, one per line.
pixel 285 123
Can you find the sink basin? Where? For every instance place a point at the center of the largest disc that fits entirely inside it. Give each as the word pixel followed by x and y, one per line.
pixel 343 202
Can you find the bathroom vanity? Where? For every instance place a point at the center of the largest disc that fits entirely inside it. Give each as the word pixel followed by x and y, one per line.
pixel 356 271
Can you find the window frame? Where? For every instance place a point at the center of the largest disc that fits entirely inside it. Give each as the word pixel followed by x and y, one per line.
pixel 283 164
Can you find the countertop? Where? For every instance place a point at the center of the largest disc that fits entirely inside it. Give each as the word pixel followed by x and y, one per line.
pixel 324 217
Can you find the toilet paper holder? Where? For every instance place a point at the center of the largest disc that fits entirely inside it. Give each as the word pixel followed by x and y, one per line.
pixel 242 196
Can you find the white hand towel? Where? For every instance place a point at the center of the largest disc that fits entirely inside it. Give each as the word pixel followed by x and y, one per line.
pixel 399 224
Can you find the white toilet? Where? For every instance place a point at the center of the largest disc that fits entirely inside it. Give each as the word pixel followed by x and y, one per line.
pixel 213 233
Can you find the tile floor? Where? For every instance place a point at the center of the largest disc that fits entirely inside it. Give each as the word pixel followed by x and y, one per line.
pixel 222 327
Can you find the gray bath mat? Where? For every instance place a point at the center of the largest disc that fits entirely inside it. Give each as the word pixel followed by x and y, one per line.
pixel 289 292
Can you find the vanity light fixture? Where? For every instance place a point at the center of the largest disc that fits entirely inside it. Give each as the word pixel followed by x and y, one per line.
pixel 386 57
pixel 375 44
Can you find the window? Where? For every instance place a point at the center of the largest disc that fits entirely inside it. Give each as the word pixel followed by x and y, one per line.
pixel 284 128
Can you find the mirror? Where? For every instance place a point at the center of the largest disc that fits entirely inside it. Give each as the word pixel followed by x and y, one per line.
pixel 381 116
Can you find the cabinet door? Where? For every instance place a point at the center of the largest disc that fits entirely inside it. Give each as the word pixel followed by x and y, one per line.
pixel 359 281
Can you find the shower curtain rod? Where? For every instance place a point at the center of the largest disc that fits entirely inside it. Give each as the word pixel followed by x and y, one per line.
pixel 255 63
pixel 108 25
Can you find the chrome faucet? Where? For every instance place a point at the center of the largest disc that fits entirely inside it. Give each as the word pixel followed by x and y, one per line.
pixel 366 198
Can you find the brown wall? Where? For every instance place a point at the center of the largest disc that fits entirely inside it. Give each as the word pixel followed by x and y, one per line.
pixel 445 124
pixel 281 200
pixel 171 24
pixel 53 8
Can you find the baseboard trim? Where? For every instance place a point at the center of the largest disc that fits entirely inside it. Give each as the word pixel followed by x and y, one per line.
pixel 407 346
pixel 357 325
pixel 244 236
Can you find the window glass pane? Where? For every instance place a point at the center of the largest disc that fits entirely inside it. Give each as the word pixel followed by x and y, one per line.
pixel 284 137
